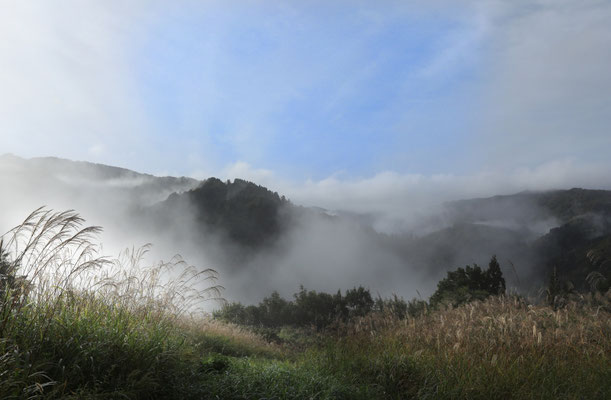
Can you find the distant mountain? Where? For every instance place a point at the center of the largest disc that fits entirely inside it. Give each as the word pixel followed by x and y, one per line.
pixel 241 221
pixel 55 177
pixel 525 207
pixel 567 248
pixel 243 212
pixel 533 231
pixel 464 243
pixel 83 172
pixel 579 221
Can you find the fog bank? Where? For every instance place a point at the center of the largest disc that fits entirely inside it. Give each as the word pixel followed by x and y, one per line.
pixel 391 233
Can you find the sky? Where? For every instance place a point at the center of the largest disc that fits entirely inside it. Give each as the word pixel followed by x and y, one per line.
pixel 333 103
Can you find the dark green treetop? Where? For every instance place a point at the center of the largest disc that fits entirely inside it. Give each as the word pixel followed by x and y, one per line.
pixel 468 284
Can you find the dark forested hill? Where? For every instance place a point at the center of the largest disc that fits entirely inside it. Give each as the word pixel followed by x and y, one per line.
pixel 568 248
pixel 465 243
pixel 526 207
pixel 246 213
pixel 241 221
pixel 566 226
pixel 533 231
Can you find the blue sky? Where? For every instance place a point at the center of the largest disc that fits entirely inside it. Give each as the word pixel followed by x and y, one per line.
pixel 308 90
pixel 326 95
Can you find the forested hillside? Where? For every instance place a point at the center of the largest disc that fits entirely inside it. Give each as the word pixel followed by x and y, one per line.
pixel 234 221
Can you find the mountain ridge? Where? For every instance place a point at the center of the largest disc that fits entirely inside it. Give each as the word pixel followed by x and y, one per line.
pixel 536 230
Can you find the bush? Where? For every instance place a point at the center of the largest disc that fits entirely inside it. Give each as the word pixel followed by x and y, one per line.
pixel 358 302
pixel 468 284
pixel 308 309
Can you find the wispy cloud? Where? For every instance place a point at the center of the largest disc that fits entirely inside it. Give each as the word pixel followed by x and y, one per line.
pixel 399 200
pixel 306 90
pixel 65 80
pixel 546 91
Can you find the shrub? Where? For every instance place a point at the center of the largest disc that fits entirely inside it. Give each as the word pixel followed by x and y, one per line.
pixel 308 309
pixel 358 302
pixel 468 284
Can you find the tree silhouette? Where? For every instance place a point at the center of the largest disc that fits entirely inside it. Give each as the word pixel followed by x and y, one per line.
pixel 468 284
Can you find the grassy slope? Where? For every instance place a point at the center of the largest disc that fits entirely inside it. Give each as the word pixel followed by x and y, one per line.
pixel 501 349
pixel 125 334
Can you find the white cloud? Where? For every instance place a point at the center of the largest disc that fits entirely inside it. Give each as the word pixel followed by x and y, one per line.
pixel 245 171
pixel 546 87
pixel 68 89
pixel 97 150
pixel 65 79
pixel 407 197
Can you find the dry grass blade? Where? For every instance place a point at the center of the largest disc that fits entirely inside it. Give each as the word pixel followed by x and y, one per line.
pixel 56 254
pixel 51 249
pixel 171 288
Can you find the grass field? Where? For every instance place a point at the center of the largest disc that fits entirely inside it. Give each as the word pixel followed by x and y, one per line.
pixel 128 335
pixel 501 348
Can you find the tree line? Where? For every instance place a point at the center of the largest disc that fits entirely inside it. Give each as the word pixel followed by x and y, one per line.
pixel 310 308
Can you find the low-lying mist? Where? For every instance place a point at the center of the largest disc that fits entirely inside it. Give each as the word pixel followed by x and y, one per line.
pixel 289 245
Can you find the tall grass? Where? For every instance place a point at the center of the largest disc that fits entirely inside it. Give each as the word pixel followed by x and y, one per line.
pixel 500 348
pixel 73 323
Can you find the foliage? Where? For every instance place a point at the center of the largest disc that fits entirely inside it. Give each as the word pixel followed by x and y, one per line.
pixel 399 308
pixel 317 309
pixel 308 309
pixel 358 302
pixel 90 331
pixel 251 378
pixel 499 348
pixel 320 310
pixel 468 284
pixel 558 291
pixel 246 213
pixel 568 204
pixel 599 258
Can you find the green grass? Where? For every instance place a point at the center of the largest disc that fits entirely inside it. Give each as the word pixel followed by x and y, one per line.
pixel 497 349
pixel 90 349
pixel 254 378
pixel 127 335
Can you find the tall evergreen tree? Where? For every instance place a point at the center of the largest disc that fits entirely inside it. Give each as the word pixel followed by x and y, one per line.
pixel 494 277
pixel 468 284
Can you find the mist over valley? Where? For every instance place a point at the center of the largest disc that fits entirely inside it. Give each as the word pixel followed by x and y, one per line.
pixel 259 241
pixel 305 200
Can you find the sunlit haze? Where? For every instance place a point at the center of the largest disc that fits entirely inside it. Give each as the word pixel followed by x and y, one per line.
pixel 499 96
